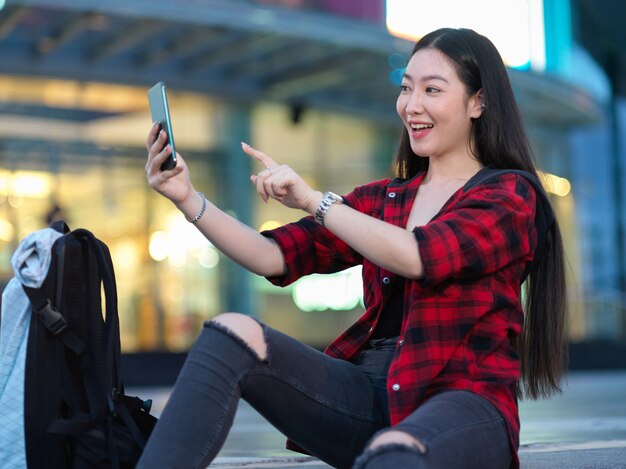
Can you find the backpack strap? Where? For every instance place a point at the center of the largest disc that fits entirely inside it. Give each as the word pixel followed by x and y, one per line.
pixel 111 323
pixel 544 215
pixel 121 408
pixel 54 321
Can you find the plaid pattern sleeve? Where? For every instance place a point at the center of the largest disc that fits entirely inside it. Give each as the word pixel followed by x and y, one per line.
pixel 310 248
pixel 491 227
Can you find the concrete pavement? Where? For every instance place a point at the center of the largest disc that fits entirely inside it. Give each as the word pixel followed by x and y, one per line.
pixel 583 428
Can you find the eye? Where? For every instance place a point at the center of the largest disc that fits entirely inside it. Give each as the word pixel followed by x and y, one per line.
pixel 431 90
pixel 404 88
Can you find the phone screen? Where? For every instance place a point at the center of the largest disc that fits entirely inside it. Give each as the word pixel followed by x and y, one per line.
pixel 159 109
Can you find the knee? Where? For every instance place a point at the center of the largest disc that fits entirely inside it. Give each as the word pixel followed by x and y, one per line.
pixel 247 329
pixel 392 449
pixel 396 437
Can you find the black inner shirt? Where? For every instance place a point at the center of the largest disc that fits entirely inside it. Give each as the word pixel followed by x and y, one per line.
pixel 390 321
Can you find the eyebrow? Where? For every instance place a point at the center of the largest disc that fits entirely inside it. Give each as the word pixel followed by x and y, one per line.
pixel 426 78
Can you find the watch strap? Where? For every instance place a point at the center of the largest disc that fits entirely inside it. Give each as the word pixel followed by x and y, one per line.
pixel 328 199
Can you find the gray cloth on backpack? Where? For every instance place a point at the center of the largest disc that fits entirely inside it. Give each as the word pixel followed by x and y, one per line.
pixel 30 261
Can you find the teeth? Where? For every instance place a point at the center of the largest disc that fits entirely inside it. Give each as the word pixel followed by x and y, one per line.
pixel 421 126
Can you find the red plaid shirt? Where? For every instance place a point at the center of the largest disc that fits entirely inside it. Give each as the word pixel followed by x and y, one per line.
pixel 459 318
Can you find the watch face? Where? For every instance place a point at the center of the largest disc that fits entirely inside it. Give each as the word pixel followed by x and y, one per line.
pixel 335 197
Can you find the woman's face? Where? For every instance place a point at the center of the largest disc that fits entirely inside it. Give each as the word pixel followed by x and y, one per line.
pixel 435 108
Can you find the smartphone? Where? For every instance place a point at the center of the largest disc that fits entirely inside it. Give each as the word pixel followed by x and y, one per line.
pixel 160 111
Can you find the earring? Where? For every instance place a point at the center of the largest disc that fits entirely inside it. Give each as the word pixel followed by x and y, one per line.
pixel 483 105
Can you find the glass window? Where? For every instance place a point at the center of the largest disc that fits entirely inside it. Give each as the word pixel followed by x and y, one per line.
pixel 54 168
pixel 166 271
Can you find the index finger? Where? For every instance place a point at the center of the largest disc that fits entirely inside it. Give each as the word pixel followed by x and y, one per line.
pixel 261 157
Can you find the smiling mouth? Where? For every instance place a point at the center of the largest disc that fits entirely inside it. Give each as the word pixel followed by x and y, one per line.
pixel 421 126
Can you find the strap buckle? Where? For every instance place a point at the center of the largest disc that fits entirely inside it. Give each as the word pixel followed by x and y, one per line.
pixel 51 318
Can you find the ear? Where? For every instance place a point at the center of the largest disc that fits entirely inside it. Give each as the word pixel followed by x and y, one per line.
pixel 476 104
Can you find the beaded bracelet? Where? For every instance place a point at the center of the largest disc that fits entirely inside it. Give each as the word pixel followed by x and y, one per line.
pixel 202 209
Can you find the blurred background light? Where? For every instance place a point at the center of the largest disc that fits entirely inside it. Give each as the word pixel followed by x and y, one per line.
pixel 555 185
pixel 269 225
pixel 29 184
pixel 518 32
pixel 158 246
pixel 126 254
pixel 181 242
pixel 341 291
pixel 7 232
pixel 209 258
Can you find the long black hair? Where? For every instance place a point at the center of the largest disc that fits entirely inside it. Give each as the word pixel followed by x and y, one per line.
pixel 498 139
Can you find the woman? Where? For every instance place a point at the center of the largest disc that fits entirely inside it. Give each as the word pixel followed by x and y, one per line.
pixel 430 374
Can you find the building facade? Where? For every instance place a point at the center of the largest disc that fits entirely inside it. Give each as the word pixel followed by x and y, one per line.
pixel 307 82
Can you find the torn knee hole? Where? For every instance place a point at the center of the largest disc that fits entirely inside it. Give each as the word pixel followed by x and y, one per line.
pixel 244 334
pixel 384 454
pixel 397 438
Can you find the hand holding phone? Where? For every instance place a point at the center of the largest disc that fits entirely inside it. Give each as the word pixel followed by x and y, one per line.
pixel 159 109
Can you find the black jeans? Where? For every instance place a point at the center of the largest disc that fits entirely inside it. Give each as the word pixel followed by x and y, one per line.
pixel 329 407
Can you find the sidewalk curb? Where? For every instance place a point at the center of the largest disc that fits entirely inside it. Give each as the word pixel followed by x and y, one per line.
pixel 259 463
pixel 556 447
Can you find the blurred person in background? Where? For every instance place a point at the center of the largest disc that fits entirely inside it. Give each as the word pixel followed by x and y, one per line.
pixel 430 375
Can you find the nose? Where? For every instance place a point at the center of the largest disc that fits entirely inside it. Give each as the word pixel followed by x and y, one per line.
pixel 414 104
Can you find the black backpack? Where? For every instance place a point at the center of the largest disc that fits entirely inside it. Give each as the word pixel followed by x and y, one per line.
pixel 76 414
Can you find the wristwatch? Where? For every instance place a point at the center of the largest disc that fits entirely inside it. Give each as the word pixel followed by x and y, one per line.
pixel 328 199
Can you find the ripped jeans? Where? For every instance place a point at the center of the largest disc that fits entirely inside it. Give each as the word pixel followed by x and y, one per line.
pixel 329 407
